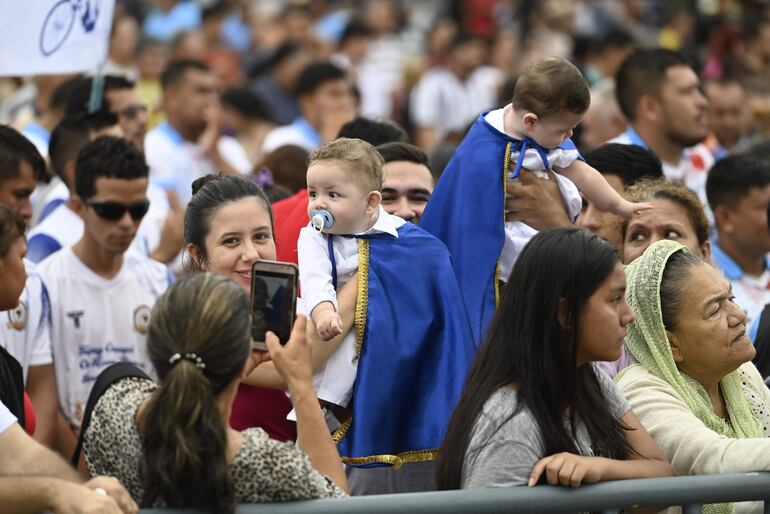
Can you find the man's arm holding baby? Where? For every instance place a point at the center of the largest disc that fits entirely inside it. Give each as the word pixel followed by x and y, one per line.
pixel 597 190
pixel 536 202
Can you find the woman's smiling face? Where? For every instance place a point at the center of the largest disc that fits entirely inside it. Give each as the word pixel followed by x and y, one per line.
pixel 240 233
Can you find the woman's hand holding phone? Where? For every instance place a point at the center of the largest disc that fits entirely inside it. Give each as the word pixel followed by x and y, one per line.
pixel 292 360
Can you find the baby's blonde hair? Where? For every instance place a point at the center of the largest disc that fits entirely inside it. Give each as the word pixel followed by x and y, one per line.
pixel 357 157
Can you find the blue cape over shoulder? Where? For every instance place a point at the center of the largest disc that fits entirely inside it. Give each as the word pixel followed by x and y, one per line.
pixel 466 211
pixel 416 348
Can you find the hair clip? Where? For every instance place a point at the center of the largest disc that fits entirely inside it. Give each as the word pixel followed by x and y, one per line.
pixel 192 357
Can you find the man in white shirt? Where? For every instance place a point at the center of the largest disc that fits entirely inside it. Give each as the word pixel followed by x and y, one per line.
pixel 660 95
pixel 189 143
pixel 325 100
pixel 24 331
pixel 62 227
pixel 101 295
pixel 34 479
pixel 446 101
pixel 738 191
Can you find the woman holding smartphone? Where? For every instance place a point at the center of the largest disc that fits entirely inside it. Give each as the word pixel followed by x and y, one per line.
pixel 178 449
pixel 228 227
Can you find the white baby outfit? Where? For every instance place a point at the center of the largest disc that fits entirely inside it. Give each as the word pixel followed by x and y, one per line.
pixel 334 381
pixel 517 233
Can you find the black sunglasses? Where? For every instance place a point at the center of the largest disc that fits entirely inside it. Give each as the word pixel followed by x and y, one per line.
pixel 115 211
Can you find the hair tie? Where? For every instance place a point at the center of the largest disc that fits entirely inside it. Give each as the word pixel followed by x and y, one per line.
pixel 263 177
pixel 192 357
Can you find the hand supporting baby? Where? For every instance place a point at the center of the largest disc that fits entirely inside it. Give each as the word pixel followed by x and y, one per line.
pixel 328 323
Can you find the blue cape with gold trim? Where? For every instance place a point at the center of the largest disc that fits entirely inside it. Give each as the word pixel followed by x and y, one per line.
pixel 415 349
pixel 466 212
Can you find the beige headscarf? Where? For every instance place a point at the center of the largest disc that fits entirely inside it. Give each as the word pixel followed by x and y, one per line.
pixel 648 343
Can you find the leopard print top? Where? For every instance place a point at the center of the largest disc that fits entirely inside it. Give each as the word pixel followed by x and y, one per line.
pixel 263 470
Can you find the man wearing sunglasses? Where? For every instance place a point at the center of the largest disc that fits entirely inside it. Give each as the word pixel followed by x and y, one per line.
pixel 101 293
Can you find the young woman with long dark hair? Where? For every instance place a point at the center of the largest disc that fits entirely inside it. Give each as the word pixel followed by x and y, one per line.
pixel 534 406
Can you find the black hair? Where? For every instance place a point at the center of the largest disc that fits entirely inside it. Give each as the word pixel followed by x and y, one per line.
pixel 176 70
pixel 15 149
pixel 184 440
pixel 63 92
pixel 612 38
pixel 274 59
pixel 751 27
pixel 67 139
pixel 109 157
pixel 247 103
pixel 643 73
pixel 732 178
pixel 462 38
pixel 629 162
pixel 210 193
pixel 374 132
pixel 400 151
pixel 315 75
pixel 527 345
pixel 77 103
pixel 217 9
pixel 355 28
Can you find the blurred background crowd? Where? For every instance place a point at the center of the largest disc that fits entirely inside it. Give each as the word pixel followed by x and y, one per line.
pixel 430 65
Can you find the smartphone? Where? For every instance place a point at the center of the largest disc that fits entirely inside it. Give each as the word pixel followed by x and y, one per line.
pixel 273 301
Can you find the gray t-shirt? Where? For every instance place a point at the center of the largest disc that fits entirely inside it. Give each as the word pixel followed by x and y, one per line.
pixel 507 457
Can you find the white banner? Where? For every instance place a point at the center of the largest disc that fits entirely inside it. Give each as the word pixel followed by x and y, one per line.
pixel 39 37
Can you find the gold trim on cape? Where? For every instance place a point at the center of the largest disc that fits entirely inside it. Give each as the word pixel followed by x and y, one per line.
pixel 362 304
pixel 362 300
pixel 506 165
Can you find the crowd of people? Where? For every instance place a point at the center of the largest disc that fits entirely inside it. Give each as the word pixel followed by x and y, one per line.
pixel 532 244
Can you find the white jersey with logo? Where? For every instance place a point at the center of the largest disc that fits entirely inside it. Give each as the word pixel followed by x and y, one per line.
pixel 24 331
pixel 96 322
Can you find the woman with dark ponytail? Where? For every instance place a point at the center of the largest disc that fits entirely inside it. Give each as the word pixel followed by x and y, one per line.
pixel 534 407
pixel 171 443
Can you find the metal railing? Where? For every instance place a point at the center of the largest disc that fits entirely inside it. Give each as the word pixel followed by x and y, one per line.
pixel 690 492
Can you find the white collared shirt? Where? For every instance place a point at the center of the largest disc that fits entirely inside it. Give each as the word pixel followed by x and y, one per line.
pixel 315 270
pixel 175 162
pixel 691 170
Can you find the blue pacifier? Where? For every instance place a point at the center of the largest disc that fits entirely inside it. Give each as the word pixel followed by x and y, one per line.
pixel 321 220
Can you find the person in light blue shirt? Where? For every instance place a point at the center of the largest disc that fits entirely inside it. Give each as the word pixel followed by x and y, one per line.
pixel 170 17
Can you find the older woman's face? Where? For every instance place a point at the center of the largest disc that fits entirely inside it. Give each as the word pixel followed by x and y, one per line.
pixel 239 234
pixel 666 220
pixel 710 340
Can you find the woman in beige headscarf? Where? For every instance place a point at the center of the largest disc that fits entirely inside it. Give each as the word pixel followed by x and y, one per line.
pixel 694 388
